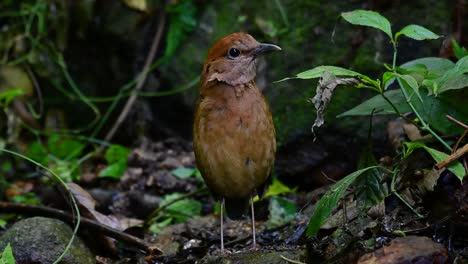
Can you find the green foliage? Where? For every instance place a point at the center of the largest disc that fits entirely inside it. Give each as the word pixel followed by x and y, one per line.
pixel 369 188
pixel 281 211
pixel 455 167
pixel 369 19
pixel 7 96
pixel 175 212
pixel 416 32
pixel 182 22
pixel 460 52
pixel 27 198
pixel 277 187
pixel 184 173
pixel 424 86
pixel 330 199
pixel 116 157
pixel 7 256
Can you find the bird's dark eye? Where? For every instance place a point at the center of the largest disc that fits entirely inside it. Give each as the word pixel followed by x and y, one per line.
pixel 233 52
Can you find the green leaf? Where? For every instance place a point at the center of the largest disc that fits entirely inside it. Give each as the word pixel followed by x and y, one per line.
pixel 26 198
pixel 369 189
pixel 3 223
pixel 369 19
pixel 7 256
pixel 157 227
pixel 64 148
pixel 416 32
pixel 182 22
pixel 183 173
pixel 459 51
pixel 433 64
pixel 7 96
pixel 330 199
pixel 116 153
pixel 281 212
pixel 409 81
pixel 182 210
pixel 38 152
pixel 379 106
pixel 277 187
pixel 114 170
pixel 455 167
pixel 317 72
pixel 409 147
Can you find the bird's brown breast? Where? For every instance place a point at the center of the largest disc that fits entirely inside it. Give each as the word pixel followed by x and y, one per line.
pixel 234 139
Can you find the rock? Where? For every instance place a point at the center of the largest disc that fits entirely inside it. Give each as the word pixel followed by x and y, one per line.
pixel 42 240
pixel 258 257
pixel 411 249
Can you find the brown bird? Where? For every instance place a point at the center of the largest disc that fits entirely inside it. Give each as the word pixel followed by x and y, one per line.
pixel 234 136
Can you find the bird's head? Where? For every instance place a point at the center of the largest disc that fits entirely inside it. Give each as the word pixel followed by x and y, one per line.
pixel 233 59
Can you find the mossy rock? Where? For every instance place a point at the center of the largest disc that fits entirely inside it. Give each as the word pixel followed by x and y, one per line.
pixel 311 34
pixel 42 240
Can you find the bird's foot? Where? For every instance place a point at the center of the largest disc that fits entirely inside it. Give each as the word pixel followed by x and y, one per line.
pixel 255 247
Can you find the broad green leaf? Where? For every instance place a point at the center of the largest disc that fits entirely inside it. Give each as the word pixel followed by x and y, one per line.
pixel 433 64
pixel 369 19
pixel 455 167
pixel 7 256
pixel 317 72
pixel 369 189
pixel 379 106
pixel 416 32
pixel 183 173
pixel 116 153
pixel 64 148
pixel 409 147
pixel 459 51
pixel 277 187
pixel 409 81
pixel 38 152
pixel 3 223
pixel 114 170
pixel 330 199
pixel 387 79
pixel 281 212
pixel 157 227
pixel 182 210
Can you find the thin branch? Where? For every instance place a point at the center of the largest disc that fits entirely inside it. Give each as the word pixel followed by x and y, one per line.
pixel 456 155
pixel 457 122
pixel 92 225
pixel 141 78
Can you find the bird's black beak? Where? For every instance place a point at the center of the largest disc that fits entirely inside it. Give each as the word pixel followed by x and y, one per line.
pixel 264 48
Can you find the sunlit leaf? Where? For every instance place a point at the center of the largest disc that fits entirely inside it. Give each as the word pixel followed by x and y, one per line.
pixel 114 170
pixel 317 72
pixel 183 173
pixel 416 32
pixel 409 81
pixel 330 199
pixel 277 187
pixel 7 256
pixel 369 19
pixel 116 153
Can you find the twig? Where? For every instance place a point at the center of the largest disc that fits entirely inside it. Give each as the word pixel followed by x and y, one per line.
pixel 457 154
pixel 457 122
pixel 141 78
pixel 149 219
pixel 92 225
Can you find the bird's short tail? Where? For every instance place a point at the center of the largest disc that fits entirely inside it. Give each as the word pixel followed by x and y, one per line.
pixel 236 208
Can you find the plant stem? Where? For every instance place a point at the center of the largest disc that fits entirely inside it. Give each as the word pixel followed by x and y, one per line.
pixel 425 126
